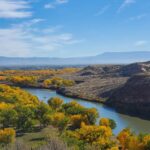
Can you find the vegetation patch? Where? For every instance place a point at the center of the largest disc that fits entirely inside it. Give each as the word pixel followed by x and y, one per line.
pixel 27 123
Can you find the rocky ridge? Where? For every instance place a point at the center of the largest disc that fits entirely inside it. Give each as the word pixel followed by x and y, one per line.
pixel 133 97
pixel 124 87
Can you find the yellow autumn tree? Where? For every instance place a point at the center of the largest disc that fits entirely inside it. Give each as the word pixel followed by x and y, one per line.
pixel 55 103
pixel 57 82
pixel 5 106
pixel 104 122
pixel 107 122
pixel 146 142
pixel 93 134
pixel 76 120
pixel 23 80
pixel 7 135
pixel 59 120
pixel 134 143
pixel 123 138
pixel 13 95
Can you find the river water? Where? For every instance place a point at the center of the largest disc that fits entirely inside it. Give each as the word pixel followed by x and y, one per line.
pixel 136 124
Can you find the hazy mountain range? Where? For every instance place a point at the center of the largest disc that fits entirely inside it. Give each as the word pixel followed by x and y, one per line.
pixel 105 58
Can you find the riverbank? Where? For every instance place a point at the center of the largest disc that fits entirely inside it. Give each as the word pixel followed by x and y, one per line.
pixel 75 95
pixel 138 125
pixel 71 95
pixel 92 100
pixel 59 90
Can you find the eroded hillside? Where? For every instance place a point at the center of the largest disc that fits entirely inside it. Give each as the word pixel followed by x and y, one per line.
pixel 124 87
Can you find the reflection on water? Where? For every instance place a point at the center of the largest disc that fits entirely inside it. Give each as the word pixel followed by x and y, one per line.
pixel 123 121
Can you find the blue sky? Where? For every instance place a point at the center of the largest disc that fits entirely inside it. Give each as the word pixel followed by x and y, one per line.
pixel 70 28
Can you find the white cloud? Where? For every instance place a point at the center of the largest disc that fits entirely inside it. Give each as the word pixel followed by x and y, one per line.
pixel 139 17
pixel 27 40
pixel 125 4
pixel 102 11
pixel 52 29
pixel 141 43
pixel 28 24
pixel 62 1
pixel 55 4
pixel 14 9
pixel 49 6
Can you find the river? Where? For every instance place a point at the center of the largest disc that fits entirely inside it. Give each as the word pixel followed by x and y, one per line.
pixel 136 124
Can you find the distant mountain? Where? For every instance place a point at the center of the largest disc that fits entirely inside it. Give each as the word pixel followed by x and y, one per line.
pixel 105 58
pixel 125 57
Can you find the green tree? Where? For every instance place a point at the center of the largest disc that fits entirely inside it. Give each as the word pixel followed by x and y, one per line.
pixel 59 120
pixel 112 124
pixel 25 118
pixel 46 120
pixel 42 110
pixel 8 118
pixel 73 108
